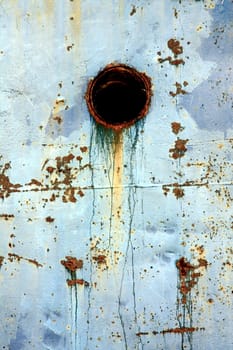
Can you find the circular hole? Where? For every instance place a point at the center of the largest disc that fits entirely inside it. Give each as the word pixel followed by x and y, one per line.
pixel 118 96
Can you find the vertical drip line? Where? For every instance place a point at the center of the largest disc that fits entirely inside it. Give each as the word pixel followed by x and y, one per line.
pixel 116 192
pixel 132 135
pixel 131 199
pixel 90 233
pixel 74 292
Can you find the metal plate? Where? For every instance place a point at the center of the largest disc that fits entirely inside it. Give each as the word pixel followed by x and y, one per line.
pixel 116 242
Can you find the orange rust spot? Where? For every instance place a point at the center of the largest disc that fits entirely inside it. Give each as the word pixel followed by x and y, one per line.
pixel 13 256
pixel 34 182
pixel 52 198
pixel 176 127
pixel 178 192
pixel 50 169
pixel 100 259
pixel 73 282
pixel 69 195
pixel 174 46
pixel 179 90
pixel 180 330
pixel 1 260
pixel 202 262
pixel 83 149
pixel 6 187
pixel 175 62
pixel 80 193
pixel 166 190
pixel 67 159
pixel 72 264
pixel 49 219
pixel 58 119
pixel 79 158
pixel 179 148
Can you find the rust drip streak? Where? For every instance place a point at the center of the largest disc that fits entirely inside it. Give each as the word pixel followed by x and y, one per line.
pixel 117 189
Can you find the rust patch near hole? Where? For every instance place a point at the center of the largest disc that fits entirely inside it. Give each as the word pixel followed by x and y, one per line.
pixel 118 96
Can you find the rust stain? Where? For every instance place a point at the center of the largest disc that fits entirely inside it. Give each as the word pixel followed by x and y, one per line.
pixel 49 219
pixel 173 62
pixel 34 182
pixel 58 106
pixel 139 334
pixel 58 177
pixel 84 149
pixel 80 193
pixel 58 119
pixel 6 186
pixel 69 47
pixel 72 264
pixel 179 89
pixel 117 192
pixel 174 46
pixel 1 260
pixel 133 11
pixel 100 259
pixel 176 127
pixel 188 276
pixel 177 330
pixel 180 330
pixel 178 192
pixel 179 148
pixel 15 257
pixel 76 281
pixel 7 216
pixel 50 169
pixel 69 195
pixel 177 49
pixel 129 77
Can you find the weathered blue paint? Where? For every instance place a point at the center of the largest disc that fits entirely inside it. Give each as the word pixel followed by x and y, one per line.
pixel 129 206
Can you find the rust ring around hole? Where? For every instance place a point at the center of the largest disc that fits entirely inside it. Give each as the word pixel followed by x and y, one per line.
pixel 118 96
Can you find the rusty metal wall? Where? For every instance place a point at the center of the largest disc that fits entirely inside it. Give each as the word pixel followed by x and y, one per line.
pixel 116 243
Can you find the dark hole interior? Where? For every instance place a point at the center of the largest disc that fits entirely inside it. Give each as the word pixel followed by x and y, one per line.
pixel 119 96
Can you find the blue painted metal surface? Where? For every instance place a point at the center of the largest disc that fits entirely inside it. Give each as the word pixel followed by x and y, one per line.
pixel 116 242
